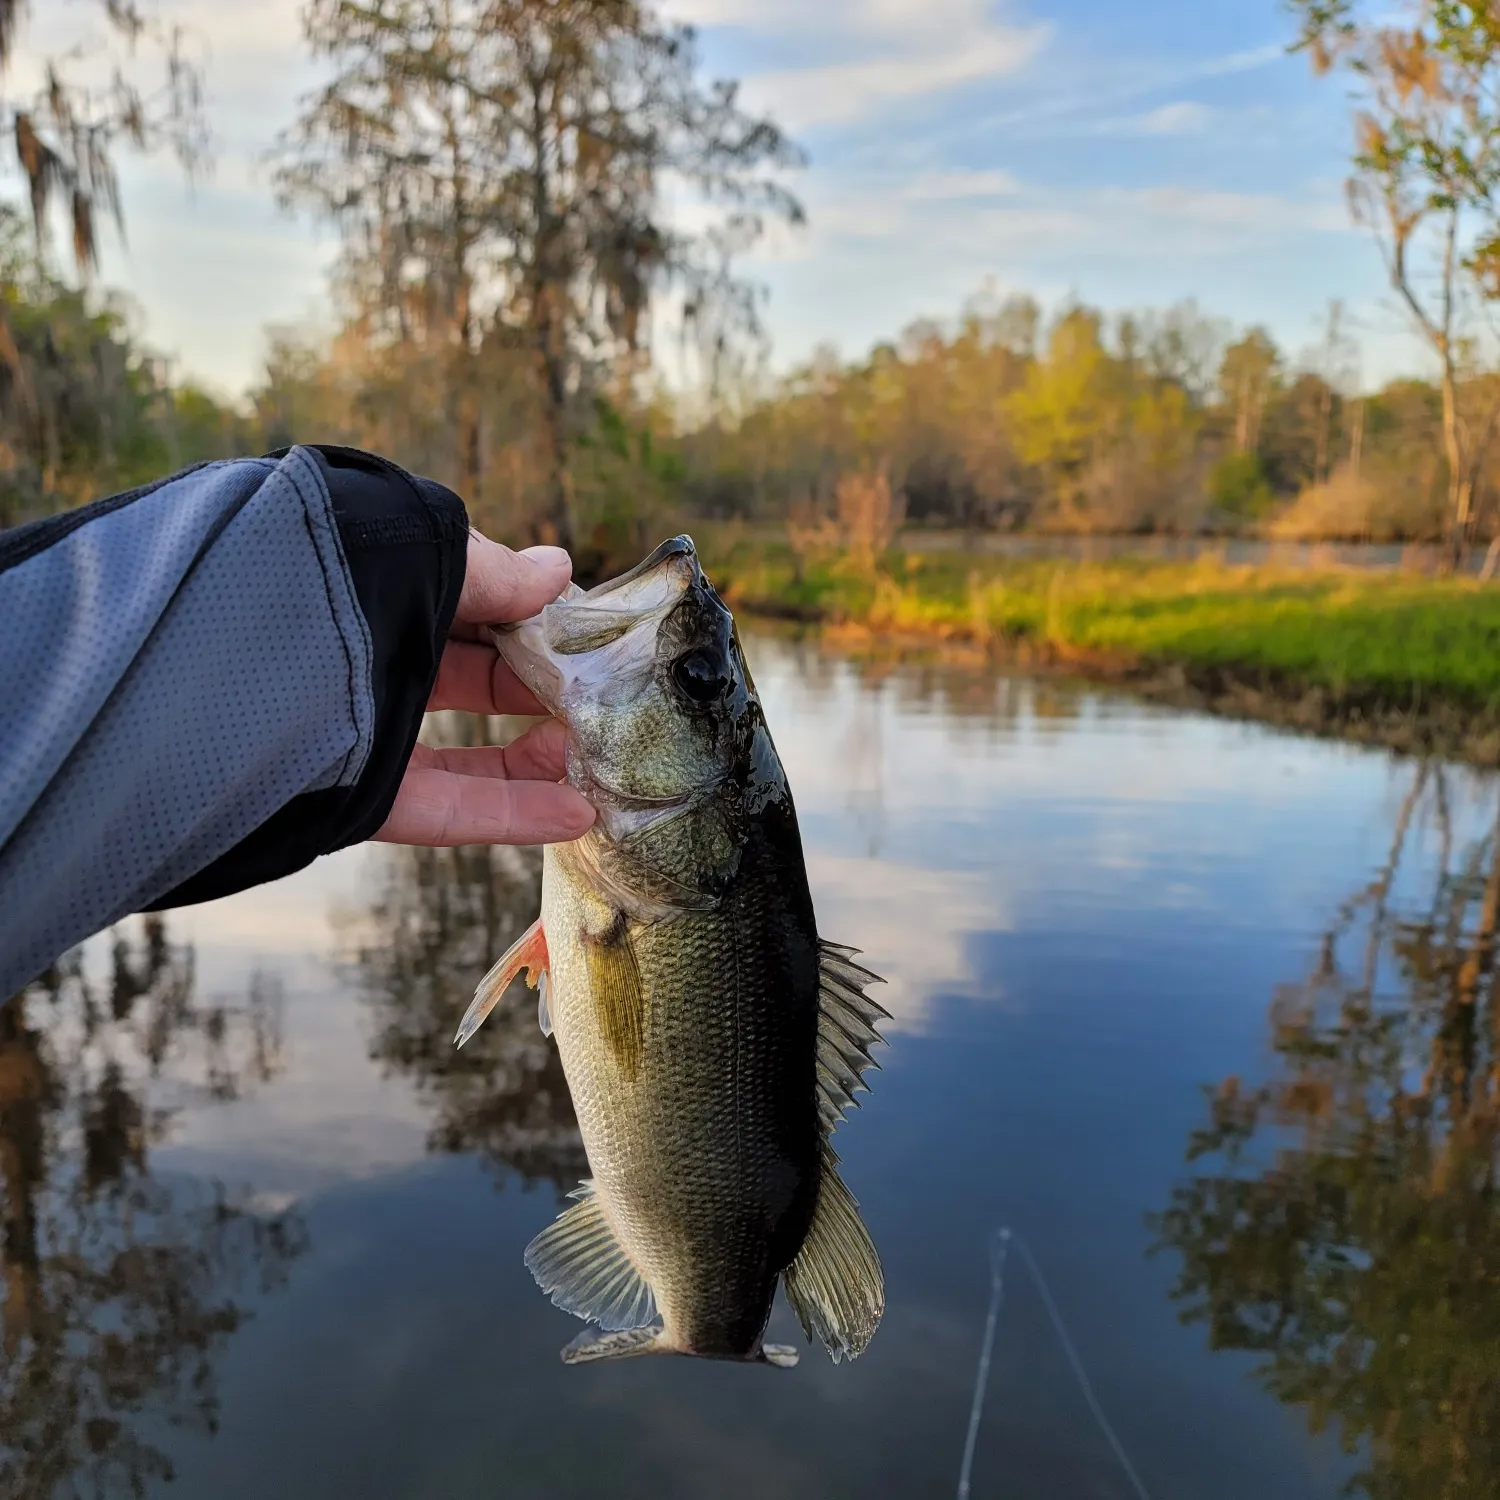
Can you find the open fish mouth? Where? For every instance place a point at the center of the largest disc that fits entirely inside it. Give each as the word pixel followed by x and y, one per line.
pixel 671 550
pixel 604 634
pixel 656 580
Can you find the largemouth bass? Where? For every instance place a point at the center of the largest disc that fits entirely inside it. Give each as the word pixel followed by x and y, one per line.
pixel 711 1041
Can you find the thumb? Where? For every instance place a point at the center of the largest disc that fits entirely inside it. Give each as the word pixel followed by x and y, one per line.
pixel 501 585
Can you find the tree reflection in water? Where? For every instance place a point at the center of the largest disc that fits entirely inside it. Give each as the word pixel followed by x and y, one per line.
pixel 119 1286
pixel 442 918
pixel 1349 1230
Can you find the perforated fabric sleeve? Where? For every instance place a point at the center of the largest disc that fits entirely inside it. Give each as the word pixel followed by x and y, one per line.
pixel 207 683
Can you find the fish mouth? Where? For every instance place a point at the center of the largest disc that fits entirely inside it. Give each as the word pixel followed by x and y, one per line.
pixel 580 640
pixel 657 580
pixel 674 548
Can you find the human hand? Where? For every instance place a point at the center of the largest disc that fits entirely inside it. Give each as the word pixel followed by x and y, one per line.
pixel 492 794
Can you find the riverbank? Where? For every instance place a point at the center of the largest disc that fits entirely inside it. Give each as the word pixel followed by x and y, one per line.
pixel 1408 662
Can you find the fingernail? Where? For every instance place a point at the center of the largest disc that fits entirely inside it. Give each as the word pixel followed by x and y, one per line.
pixel 548 557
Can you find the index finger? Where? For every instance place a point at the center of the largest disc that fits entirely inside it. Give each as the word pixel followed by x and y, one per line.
pixel 478 680
pixel 501 585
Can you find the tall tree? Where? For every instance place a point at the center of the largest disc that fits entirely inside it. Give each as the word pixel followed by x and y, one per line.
pixel 1247 375
pixel 502 172
pixel 72 392
pixel 83 409
pixel 1427 176
pixel 1335 363
pixel 138 85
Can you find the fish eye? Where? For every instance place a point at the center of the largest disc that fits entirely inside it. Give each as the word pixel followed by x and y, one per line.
pixel 703 675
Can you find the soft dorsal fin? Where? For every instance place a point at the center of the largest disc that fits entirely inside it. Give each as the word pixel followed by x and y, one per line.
pixel 835 1284
pixel 580 1263
pixel 847 1019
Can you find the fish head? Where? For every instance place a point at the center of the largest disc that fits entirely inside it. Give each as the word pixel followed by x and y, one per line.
pixel 647 672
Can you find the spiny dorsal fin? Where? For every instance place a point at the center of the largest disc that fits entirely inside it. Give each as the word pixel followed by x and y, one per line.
pixel 835 1284
pixel 580 1263
pixel 847 1019
pixel 619 1000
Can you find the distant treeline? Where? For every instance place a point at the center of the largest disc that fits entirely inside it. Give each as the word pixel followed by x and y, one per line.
pixel 495 169
pixel 1154 422
pixel 1157 422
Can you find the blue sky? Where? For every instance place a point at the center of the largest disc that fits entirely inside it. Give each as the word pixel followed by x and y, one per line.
pixel 1131 156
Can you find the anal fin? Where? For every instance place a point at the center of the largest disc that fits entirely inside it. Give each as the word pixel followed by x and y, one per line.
pixel 529 952
pixel 594 1344
pixel 579 1262
pixel 835 1285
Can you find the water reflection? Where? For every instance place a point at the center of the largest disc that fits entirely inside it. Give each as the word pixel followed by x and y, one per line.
pixel 120 1287
pixel 440 919
pixel 1344 1224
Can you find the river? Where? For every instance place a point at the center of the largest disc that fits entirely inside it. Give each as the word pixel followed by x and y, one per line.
pixel 1201 1011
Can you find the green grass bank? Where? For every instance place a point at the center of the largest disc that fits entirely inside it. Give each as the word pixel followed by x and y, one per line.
pixel 1410 662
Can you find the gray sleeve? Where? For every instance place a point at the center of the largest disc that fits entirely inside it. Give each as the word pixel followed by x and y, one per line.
pixel 177 666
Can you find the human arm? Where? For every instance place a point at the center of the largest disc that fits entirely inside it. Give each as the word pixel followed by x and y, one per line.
pixel 208 683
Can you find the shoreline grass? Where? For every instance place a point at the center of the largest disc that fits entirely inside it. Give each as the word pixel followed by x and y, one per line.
pixel 1411 662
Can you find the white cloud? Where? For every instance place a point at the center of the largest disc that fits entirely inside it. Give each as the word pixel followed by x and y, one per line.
pixel 1076 106
pixel 1261 214
pixel 912 926
pixel 1182 118
pixel 874 53
pixel 928 187
pixel 989 219
pixel 840 93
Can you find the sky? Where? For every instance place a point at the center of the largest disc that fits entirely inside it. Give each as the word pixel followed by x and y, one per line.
pixel 1130 156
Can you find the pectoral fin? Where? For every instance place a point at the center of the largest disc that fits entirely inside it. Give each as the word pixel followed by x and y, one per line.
pixel 580 1263
pixel 835 1284
pixel 529 952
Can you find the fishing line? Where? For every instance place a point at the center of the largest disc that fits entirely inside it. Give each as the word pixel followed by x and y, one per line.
pixel 999 1246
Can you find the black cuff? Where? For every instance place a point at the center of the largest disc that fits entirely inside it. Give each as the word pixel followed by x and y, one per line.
pixel 405 540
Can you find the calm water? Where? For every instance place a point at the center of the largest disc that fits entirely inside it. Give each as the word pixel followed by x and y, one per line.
pixel 263 1229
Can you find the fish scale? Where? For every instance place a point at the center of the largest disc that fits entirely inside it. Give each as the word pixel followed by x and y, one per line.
pixel 711 1042
pixel 718 1135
